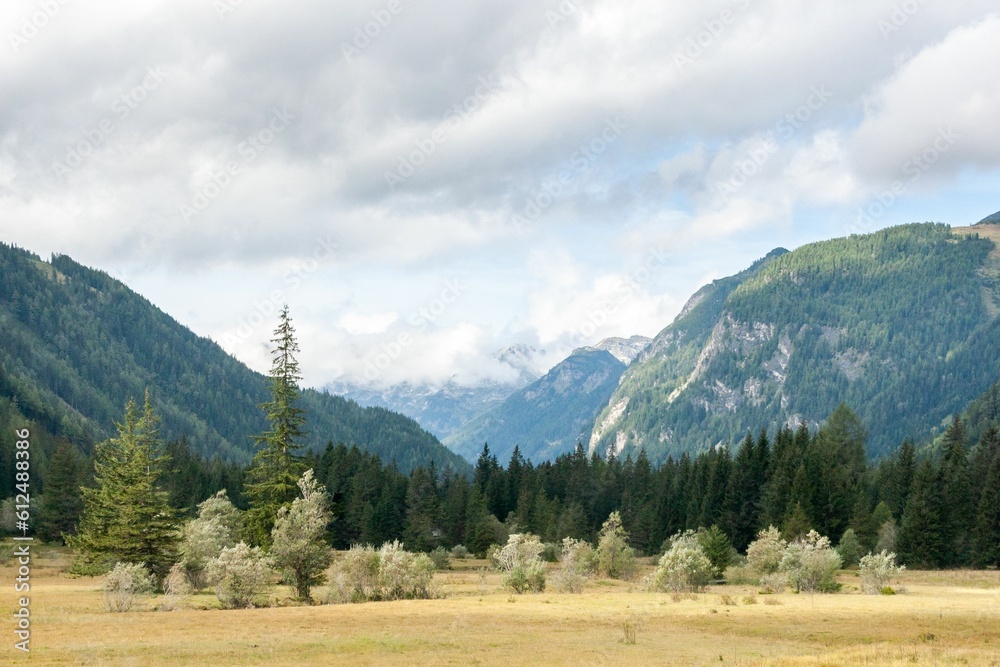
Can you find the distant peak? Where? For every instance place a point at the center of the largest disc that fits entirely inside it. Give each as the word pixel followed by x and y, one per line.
pixel 624 349
pixel 990 219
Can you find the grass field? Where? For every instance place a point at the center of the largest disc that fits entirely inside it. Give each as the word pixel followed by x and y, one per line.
pixel 943 618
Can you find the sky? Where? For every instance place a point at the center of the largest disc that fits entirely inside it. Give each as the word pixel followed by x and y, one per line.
pixel 424 183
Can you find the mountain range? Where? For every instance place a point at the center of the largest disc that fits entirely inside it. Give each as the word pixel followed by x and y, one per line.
pixel 550 416
pixel 901 325
pixel 76 345
pixel 444 409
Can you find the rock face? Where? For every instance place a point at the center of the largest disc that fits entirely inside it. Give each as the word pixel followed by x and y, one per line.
pixel 901 325
pixel 625 350
pixel 548 417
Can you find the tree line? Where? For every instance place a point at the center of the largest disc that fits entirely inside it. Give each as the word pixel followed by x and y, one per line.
pixel 129 504
pixel 935 511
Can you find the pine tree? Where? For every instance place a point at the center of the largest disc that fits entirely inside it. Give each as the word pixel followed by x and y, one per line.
pixel 126 516
pixel 957 508
pixel 272 480
pixel 920 543
pixel 987 533
pixel 62 502
pixel 743 496
pixel 423 512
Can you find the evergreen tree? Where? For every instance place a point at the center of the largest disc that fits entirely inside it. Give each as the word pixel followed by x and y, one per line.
pixel 272 480
pixel 987 535
pixel 423 512
pixel 62 502
pixel 126 517
pixel 957 509
pixel 920 544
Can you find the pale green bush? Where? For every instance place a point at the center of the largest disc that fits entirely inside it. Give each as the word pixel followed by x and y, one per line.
pixel 521 563
pixel 684 567
pixel 125 584
pixel 615 558
pixel 811 564
pixel 877 570
pixel 240 576
pixel 577 563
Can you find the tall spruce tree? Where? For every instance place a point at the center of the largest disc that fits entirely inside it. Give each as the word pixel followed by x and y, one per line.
pixel 62 502
pixel 126 516
pixel 958 511
pixel 920 541
pixel 272 479
pixel 987 533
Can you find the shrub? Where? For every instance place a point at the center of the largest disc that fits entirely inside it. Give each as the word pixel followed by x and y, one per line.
pixel 773 583
pixel 175 586
pixel 459 552
pixel 356 575
pixel 887 533
pixel 877 570
pixel 764 554
pixel 217 527
pixel 740 575
pixel 615 558
pixel 576 565
pixel 403 575
pixel 811 564
pixel 440 558
pixel 365 574
pixel 521 563
pixel 299 548
pixel 684 568
pixel 240 576
pixel 125 584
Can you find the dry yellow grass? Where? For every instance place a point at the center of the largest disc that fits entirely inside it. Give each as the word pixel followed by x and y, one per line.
pixel 943 618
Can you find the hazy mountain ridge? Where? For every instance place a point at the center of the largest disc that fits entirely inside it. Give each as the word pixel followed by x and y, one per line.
pixel 548 417
pixel 80 344
pixel 900 324
pixel 445 409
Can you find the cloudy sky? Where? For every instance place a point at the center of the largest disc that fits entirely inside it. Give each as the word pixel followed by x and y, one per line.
pixel 426 182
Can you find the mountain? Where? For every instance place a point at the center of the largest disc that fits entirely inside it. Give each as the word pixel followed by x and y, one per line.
pixel 901 325
pixel 75 345
pixel 625 350
pixel 548 417
pixel 993 219
pixel 445 409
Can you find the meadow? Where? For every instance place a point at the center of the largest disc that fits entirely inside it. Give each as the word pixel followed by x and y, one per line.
pixel 939 618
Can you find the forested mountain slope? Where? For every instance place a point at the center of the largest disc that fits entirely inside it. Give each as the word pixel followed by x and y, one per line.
pixel 76 344
pixel 900 324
